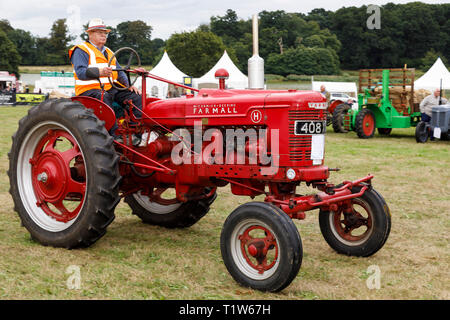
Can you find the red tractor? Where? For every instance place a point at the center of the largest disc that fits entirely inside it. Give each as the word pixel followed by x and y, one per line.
pixel 67 174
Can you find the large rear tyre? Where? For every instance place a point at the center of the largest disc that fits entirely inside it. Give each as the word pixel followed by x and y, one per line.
pixel 365 124
pixel 63 174
pixel 169 213
pixel 261 247
pixel 421 132
pixel 362 232
pixel 338 118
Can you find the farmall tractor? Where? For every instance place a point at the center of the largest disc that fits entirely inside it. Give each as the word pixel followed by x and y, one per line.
pixel 67 174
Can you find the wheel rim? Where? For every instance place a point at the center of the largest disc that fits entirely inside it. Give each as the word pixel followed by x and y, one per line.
pixel 256 255
pixel 368 124
pixel 355 227
pixel 51 176
pixel 155 203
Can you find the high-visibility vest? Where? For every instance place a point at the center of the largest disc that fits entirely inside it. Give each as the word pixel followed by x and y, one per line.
pixel 96 59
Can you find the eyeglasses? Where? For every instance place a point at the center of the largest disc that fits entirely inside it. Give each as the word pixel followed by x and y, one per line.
pixel 101 32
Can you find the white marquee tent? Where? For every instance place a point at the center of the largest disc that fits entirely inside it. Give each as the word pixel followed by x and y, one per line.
pixel 432 78
pixel 236 80
pixel 164 69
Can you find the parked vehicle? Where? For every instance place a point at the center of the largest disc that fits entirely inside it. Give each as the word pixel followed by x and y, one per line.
pixel 385 101
pixel 438 127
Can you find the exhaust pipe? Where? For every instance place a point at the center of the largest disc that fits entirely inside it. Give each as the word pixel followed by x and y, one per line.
pixel 255 63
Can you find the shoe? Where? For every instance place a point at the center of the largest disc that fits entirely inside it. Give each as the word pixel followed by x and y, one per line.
pixel 134 139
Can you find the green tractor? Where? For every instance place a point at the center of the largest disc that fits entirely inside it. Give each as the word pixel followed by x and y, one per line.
pixel 386 100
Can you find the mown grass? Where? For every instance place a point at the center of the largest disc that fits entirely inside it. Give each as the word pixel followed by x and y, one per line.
pixel 138 261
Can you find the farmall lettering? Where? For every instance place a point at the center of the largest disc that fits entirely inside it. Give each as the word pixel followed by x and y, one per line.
pixel 222 108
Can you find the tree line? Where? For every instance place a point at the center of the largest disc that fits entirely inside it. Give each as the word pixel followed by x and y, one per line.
pixel 320 42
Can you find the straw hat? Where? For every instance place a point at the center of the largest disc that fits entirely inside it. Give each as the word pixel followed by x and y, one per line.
pixel 97 24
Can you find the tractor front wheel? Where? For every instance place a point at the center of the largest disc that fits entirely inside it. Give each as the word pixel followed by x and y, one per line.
pixel 365 124
pixel 64 174
pixel 361 229
pixel 261 247
pixel 421 132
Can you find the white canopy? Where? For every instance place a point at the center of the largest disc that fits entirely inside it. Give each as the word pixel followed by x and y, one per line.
pixel 236 80
pixel 432 78
pixel 335 87
pixel 164 69
pixel 4 76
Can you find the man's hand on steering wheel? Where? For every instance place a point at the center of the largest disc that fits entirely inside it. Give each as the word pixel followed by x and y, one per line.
pixel 105 72
pixel 126 69
pixel 135 90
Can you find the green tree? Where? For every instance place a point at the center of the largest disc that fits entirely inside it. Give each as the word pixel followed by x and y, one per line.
pixel 137 35
pixel 408 32
pixel 430 58
pixel 43 48
pixel 195 52
pixel 228 25
pixel 25 44
pixel 321 16
pixel 303 60
pixel 9 57
pixel 59 43
pixel 243 51
pixel 271 40
pixel 5 26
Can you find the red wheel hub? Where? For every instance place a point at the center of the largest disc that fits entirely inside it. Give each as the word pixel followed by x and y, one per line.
pixel 156 196
pixel 368 124
pixel 347 222
pixel 53 179
pixel 257 250
pixel 49 175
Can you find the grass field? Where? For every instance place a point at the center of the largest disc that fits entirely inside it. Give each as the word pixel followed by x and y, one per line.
pixel 138 261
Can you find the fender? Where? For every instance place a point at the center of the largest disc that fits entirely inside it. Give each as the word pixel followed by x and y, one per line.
pixel 333 105
pixel 101 109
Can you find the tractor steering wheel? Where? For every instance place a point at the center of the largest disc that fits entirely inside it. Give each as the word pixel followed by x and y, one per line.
pixel 126 69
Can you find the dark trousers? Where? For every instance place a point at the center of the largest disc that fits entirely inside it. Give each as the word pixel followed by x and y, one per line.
pixel 114 95
pixel 424 117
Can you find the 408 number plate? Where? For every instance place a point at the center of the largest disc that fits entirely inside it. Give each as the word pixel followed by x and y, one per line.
pixel 309 127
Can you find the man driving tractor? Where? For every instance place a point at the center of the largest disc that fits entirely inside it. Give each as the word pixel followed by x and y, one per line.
pixel 90 64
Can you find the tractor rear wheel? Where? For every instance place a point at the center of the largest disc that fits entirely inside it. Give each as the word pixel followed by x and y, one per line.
pixel 361 232
pixel 338 118
pixel 64 174
pixel 421 132
pixel 169 213
pixel 365 124
pixel 261 247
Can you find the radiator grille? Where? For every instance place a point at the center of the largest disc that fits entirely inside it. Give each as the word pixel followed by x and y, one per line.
pixel 300 146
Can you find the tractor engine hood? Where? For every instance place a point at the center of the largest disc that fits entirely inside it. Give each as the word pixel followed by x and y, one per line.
pixel 231 107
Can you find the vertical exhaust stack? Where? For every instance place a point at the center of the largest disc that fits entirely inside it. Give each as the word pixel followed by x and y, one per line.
pixel 255 63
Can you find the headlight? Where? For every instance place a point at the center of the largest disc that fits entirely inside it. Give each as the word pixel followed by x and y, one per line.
pixel 290 174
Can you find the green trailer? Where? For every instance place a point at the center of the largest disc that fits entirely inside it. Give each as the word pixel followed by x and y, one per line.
pixel 385 101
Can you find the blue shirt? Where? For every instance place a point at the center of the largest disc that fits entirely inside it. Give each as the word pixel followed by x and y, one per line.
pixel 80 61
